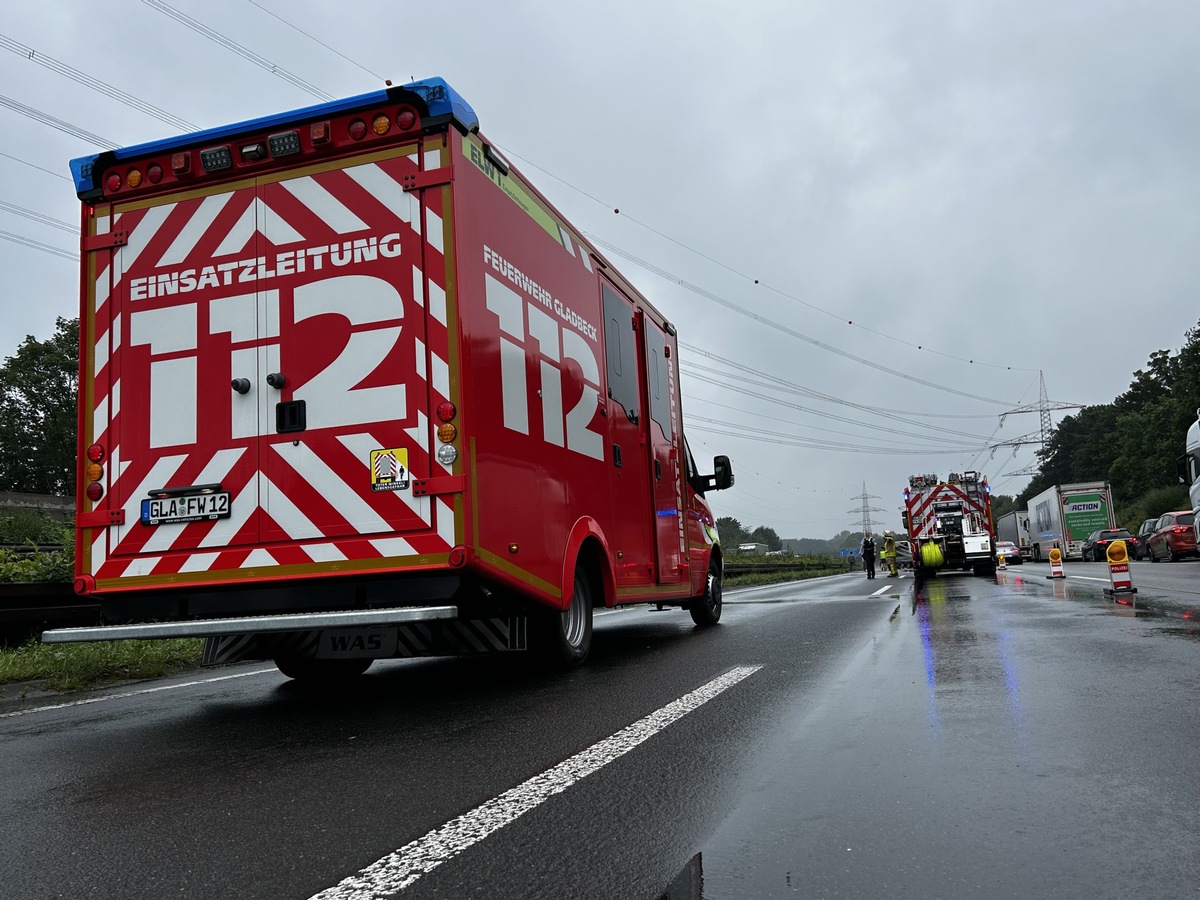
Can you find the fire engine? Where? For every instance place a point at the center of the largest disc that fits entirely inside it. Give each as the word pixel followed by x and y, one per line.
pixel 351 388
pixel 950 523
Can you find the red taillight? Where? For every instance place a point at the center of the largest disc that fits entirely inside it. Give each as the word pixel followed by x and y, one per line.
pixel 357 129
pixel 154 173
pixel 95 453
pixel 406 119
pixel 446 411
pixel 95 491
pixel 1180 530
pixel 113 181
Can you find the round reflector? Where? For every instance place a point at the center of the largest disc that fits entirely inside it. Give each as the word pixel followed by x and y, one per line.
pixel 446 432
pixel 95 491
pixel 154 173
pixel 406 119
pixel 357 129
pixel 381 124
pixel 446 411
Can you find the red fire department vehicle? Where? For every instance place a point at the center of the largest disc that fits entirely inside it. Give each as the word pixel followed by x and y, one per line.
pixel 950 523
pixel 351 388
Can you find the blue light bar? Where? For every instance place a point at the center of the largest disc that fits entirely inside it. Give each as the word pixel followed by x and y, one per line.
pixel 439 97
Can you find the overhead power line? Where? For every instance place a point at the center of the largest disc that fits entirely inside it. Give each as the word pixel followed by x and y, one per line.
pixel 315 40
pixel 38 217
pixel 779 326
pixel 217 38
pixel 26 162
pixel 65 127
pixel 95 84
pixel 38 245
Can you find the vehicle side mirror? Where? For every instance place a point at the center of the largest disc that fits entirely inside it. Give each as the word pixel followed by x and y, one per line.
pixel 1181 468
pixel 724 473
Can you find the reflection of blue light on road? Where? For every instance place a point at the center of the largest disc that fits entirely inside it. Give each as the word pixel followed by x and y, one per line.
pixel 923 625
pixel 1010 675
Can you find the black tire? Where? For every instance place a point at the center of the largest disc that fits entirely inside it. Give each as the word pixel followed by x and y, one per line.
pixel 563 639
pixel 707 609
pixel 312 670
pixel 1153 558
pixel 1174 556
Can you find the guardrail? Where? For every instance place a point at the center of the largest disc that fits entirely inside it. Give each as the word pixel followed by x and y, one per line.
pixel 25 607
pixel 743 567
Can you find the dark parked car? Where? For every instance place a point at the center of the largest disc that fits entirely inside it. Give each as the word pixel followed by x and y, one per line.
pixel 1144 531
pixel 1095 548
pixel 1173 537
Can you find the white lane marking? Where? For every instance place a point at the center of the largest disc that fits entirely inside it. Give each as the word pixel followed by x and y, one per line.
pixel 883 590
pixel 165 687
pixel 1088 578
pixel 401 868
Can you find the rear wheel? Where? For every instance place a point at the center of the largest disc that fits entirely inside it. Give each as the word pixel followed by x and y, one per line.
pixel 563 639
pixel 707 609
pixel 1150 550
pixel 308 669
pixel 1174 556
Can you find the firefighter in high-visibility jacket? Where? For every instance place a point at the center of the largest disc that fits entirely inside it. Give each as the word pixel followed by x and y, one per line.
pixel 889 554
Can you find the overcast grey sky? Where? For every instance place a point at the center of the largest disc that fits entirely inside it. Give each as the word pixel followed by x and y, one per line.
pixel 815 190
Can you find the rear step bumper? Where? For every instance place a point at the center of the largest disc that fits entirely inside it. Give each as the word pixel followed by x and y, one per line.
pixel 256 625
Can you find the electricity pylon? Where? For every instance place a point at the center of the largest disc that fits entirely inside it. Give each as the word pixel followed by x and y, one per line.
pixel 867 509
pixel 1041 437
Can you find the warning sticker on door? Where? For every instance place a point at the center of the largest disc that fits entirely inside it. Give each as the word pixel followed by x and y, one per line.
pixel 389 469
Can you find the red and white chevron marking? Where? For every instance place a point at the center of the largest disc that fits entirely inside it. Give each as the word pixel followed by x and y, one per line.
pixel 294 502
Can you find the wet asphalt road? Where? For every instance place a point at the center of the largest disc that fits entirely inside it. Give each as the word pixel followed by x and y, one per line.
pixel 1019 738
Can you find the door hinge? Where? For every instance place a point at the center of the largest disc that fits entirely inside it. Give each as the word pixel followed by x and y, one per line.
pixel 106 241
pixel 446 484
pixel 100 518
pixel 414 181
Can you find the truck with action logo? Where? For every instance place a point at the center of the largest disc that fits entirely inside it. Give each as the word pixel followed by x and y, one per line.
pixel 351 388
pixel 950 523
pixel 1063 515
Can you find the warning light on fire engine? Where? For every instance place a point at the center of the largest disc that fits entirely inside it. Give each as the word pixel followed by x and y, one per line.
pixel 381 124
pixel 113 181
pixel 447 432
pixel 181 163
pixel 95 453
pixel 154 173
pixel 406 119
pixel 357 129
pixel 446 411
pixel 133 178
pixel 318 132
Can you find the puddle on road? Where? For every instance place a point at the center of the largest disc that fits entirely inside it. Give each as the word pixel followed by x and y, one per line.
pixel 1183 614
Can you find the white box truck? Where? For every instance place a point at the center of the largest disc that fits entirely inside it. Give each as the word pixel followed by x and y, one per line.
pixel 1064 515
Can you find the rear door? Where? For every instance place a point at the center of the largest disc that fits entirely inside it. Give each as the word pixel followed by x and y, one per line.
pixel 277 353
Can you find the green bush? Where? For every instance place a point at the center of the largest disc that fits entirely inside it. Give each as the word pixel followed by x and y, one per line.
pixel 28 561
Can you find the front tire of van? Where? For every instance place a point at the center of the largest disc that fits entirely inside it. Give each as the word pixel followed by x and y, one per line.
pixel 706 610
pixel 311 670
pixel 565 638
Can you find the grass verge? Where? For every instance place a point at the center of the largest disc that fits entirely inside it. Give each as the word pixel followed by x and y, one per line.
pixel 70 667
